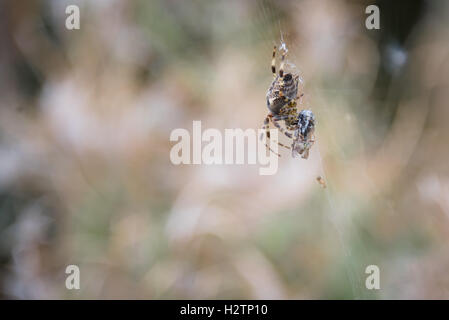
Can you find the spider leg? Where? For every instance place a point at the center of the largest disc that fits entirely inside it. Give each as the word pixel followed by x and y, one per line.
pixel 273 62
pixel 266 125
pixel 281 68
pixel 275 120
pixel 282 145
pixel 267 133
pixel 266 145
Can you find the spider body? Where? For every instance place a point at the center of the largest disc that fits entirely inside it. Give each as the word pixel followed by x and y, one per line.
pixel 281 102
pixel 281 97
pixel 281 91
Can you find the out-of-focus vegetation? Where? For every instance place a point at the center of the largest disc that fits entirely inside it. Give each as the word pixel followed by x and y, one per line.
pixel 85 175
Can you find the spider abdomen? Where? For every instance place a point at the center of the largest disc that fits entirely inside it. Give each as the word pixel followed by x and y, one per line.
pixel 281 91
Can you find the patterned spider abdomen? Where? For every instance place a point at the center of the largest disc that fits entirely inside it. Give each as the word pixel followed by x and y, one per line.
pixel 281 91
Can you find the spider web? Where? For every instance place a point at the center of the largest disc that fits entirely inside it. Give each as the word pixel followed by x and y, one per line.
pixel 275 32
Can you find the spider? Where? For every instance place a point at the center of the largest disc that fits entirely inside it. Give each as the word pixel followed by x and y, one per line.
pixel 281 102
pixel 282 93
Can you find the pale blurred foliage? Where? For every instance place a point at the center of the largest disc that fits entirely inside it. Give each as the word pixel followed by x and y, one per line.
pixel 85 175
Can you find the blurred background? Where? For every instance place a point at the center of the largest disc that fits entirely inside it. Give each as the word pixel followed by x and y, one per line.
pixel 86 178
